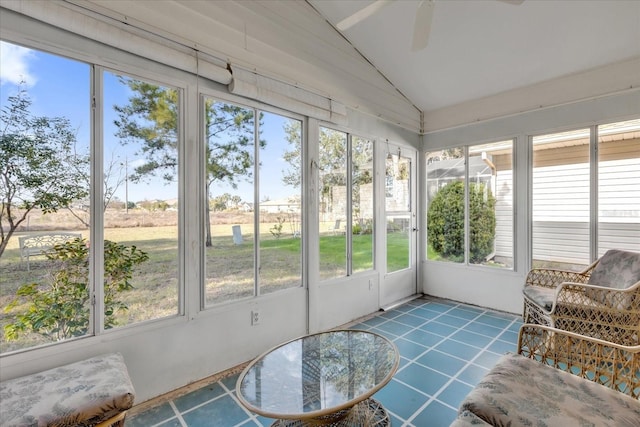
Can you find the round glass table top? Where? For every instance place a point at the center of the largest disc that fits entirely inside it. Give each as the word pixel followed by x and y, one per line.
pixel 318 374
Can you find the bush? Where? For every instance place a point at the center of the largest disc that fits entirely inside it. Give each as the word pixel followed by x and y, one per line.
pixel 445 222
pixel 60 308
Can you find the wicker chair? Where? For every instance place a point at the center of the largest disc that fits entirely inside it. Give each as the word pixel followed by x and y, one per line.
pixel 602 301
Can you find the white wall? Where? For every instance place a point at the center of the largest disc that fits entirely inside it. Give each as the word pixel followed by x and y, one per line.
pixel 165 354
pixel 491 287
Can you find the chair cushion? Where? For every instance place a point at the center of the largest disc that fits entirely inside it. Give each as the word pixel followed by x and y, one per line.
pixel 542 296
pixel 519 391
pixel 616 269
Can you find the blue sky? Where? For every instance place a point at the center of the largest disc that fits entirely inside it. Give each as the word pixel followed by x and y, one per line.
pixel 59 87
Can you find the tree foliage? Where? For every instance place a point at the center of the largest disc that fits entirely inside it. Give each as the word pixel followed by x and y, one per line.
pixel 445 222
pixel 39 165
pixel 151 118
pixel 60 308
pixel 293 175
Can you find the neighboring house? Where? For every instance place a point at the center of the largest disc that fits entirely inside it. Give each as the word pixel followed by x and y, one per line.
pixel 289 204
pixel 560 168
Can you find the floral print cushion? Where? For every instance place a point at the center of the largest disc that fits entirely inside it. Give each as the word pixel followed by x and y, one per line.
pixel 467 419
pixel 616 269
pixel 522 392
pixel 80 394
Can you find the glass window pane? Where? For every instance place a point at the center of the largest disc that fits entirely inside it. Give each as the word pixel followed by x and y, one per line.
pixel 45 132
pixel 280 207
pixel 229 225
pixel 398 211
pixel 141 200
pixel 445 205
pixel 491 204
pixel 333 203
pixel 362 203
pixel 619 186
pixel 560 200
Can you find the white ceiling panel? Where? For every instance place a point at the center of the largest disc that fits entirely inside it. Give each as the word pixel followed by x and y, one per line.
pixel 481 48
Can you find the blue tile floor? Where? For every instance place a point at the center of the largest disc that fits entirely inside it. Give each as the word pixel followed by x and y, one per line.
pixel 446 347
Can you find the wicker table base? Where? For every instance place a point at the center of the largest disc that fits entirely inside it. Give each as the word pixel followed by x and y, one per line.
pixel 368 413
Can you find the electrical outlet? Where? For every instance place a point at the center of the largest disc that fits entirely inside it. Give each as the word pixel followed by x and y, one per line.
pixel 255 317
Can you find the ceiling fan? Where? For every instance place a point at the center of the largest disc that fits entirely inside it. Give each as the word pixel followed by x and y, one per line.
pixel 421 27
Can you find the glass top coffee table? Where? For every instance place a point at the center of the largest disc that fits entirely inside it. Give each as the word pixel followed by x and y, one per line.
pixel 321 379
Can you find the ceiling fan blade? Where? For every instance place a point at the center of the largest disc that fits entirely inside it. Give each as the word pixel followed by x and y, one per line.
pixel 362 14
pixel 422 26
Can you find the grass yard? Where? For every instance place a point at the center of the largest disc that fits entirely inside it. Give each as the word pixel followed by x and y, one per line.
pixel 229 269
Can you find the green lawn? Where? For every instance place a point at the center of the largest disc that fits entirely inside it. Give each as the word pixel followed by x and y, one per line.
pixel 229 270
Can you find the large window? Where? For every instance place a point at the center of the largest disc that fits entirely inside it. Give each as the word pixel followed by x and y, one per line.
pixel 560 199
pixel 445 204
pixel 45 135
pixel 140 207
pixel 564 196
pixel 253 186
pixel 84 217
pixel 470 204
pixel 398 211
pixel 361 203
pixel 345 203
pixel 619 186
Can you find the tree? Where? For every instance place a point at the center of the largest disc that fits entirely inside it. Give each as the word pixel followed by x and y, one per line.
pixel 333 157
pixel 151 117
pixel 445 222
pixel 293 177
pixel 39 165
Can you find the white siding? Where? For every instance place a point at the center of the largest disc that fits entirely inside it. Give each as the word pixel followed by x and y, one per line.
pixel 504 214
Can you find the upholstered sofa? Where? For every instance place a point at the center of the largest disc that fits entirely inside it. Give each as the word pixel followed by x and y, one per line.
pixel 560 379
pixel 89 393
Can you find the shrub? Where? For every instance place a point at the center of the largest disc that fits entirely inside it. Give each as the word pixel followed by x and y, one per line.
pixel 60 308
pixel 445 222
pixel 276 230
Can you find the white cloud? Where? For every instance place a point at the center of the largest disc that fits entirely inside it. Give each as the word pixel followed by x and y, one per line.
pixel 14 65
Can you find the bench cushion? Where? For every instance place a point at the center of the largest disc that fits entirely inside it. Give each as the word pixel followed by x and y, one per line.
pixel 79 394
pixel 522 392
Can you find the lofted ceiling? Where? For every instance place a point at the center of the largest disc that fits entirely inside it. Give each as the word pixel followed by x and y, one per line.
pixel 480 48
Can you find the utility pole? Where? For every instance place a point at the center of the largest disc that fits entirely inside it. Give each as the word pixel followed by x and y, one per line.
pixel 126 185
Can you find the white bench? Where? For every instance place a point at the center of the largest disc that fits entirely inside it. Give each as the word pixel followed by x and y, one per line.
pixel 95 392
pixel 39 244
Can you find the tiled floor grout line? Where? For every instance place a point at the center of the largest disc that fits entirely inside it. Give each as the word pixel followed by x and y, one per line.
pixel 415 318
pixel 251 415
pixel 468 363
pixel 199 405
pixel 451 377
pixel 427 349
pixel 183 423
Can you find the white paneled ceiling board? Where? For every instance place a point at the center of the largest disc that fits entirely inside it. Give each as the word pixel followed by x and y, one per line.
pixel 483 55
pixel 285 40
pixel 483 60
